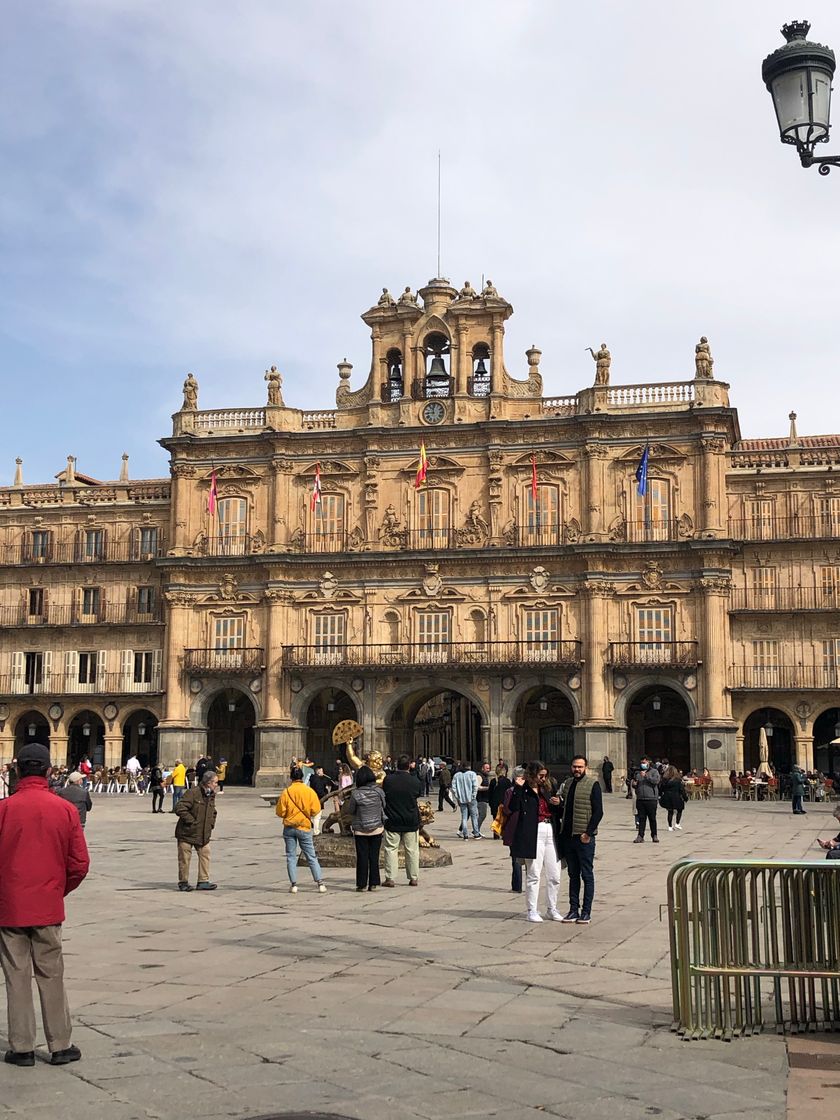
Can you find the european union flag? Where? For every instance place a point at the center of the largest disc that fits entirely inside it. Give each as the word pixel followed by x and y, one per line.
pixel 642 471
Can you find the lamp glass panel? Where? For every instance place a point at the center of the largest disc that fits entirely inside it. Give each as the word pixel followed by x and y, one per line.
pixel 821 100
pixel 790 98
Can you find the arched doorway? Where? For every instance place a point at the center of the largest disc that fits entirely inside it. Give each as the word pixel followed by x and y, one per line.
pixel 657 726
pixel 140 738
pixel 230 735
pixel 86 736
pixel 545 723
pixel 780 736
pixel 32 727
pixel 827 742
pixel 327 708
pixel 438 722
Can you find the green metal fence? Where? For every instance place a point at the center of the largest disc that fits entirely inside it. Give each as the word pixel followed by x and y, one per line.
pixel 754 943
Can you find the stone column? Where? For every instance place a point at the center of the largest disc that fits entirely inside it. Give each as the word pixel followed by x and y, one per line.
pixel 459 358
pixel 596 702
pixel 497 363
pixel 715 590
pixel 177 627
pixel 594 490
pixel 275 601
pixel 712 484
pixel 113 749
pixel 804 751
pixel 739 753
pixel 179 528
pixel 277 504
pixel 59 749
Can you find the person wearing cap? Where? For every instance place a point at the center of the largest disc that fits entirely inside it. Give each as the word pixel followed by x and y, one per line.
pixel 43 857
pixel 77 795
pixel 196 817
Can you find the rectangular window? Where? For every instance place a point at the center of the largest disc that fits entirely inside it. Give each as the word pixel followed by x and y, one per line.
pixel 829 585
pixel 228 642
pixel 433 635
pixel 33 673
pixel 765 585
pixel 36 602
pixel 91 600
pixel 652 518
pixel 328 525
pixel 765 672
pixel 87 668
pixel 143 667
pixel 760 522
pixel 655 634
pixel 94 544
pixel 828 517
pixel 433 518
pixel 40 544
pixel 146 600
pixel 148 541
pixel 541 634
pixel 831 663
pixel 233 525
pixel 329 638
pixel 542 518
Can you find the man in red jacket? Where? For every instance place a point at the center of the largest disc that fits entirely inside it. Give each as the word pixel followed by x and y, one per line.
pixel 43 856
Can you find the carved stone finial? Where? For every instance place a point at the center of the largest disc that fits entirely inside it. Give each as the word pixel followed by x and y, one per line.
pixel 533 354
pixel 18 472
pixel 793 438
pixel 190 394
pixel 345 368
pixel 703 360
pixel 70 472
pixel 124 467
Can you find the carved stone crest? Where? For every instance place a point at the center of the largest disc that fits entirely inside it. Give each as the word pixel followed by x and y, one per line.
pixel 327 585
pixel 539 579
pixel 228 587
pixel 432 583
pixel 652 575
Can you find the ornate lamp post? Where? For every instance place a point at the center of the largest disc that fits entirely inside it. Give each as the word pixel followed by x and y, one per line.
pixel 798 77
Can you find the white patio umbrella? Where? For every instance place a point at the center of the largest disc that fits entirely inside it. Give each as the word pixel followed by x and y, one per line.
pixel 763 752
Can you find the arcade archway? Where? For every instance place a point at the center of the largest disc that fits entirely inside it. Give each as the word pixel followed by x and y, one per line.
pixel 230 735
pixel 434 722
pixel 545 729
pixel 140 738
pixel 86 736
pixel 327 708
pixel 778 728
pixel 32 727
pixel 827 742
pixel 657 726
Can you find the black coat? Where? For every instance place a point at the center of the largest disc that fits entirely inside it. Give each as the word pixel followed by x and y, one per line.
pixel 401 789
pixel 672 794
pixel 524 801
pixel 498 789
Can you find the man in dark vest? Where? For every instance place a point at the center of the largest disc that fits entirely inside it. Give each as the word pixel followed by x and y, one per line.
pixel 583 808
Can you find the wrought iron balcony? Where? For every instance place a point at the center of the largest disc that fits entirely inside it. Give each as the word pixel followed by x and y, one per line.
pixel 775 678
pixel 653 655
pixel 224 662
pixel 805 526
pixel 62 614
pixel 647 532
pixel 322 542
pixel 51 551
pixel 785 599
pixel 61 684
pixel 464 655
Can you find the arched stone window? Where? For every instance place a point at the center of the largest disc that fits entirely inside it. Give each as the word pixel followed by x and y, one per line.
pixel 480 381
pixel 436 351
pixel 393 386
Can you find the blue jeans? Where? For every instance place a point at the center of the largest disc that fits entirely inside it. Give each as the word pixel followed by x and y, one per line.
pixel 797 802
pixel 469 811
pixel 579 859
pixel 177 793
pixel 293 837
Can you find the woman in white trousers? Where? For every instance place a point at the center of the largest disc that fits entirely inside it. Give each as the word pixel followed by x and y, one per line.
pixel 535 838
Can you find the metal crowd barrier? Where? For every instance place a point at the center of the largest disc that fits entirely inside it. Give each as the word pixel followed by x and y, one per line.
pixel 754 942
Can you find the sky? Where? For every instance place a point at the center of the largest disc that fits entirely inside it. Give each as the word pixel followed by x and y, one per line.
pixel 214 187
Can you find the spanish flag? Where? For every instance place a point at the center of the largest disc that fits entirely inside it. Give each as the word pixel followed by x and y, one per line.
pixel 315 496
pixel 421 470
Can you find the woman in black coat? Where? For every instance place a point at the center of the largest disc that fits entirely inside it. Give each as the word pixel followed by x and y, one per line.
pixel 534 839
pixel 672 796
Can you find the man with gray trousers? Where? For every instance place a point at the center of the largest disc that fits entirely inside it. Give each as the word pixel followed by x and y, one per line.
pixel 646 785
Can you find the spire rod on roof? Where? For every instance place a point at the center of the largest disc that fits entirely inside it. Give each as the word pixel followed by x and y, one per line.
pixel 124 468
pixel 793 438
pixel 18 472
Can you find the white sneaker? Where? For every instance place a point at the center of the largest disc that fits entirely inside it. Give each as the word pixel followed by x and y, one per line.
pixel 555 915
pixel 322 888
pixel 679 826
pixel 293 888
pixel 671 828
pixel 535 917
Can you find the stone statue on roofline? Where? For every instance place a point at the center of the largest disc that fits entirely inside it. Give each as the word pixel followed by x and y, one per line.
pixel 602 359
pixel 386 299
pixel 275 384
pixel 190 394
pixel 703 360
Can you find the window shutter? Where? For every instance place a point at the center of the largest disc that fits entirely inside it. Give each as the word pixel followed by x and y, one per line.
pixel 18 671
pixel 103 613
pixel 77 604
pixel 71 670
pixel 127 670
pixel 104 553
pixel 101 669
pixel 47 670
pixel 157 662
pixel 46 599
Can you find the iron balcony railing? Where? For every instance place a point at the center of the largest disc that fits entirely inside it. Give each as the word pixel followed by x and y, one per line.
pixel 805 526
pixel 652 531
pixel 785 599
pixel 322 542
pixel 772 678
pixel 79 552
pixel 61 614
pixel 566 654
pixel 61 684
pixel 229 545
pixel 432 388
pixel 221 662
pixel 654 655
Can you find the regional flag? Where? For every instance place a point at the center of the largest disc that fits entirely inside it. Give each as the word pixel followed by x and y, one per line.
pixel 642 471
pixel 315 497
pixel 422 469
pixel 534 488
pixel 213 496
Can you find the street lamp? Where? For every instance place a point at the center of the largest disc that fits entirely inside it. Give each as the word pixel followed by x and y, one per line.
pixel 798 77
pixel 768 729
pixel 86 729
pixel 656 703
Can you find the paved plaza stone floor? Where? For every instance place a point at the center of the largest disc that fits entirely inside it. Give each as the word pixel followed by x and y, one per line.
pixel 427 1003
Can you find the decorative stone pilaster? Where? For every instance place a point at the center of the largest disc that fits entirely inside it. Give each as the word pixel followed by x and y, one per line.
pixel 712 484
pixel 715 589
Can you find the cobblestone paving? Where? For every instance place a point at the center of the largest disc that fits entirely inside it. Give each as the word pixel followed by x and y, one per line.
pixel 428 1003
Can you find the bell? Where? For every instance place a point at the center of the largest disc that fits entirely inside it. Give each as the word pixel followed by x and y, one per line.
pixel 481 368
pixel 437 368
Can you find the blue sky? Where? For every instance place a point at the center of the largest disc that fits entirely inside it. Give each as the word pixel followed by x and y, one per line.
pixel 220 187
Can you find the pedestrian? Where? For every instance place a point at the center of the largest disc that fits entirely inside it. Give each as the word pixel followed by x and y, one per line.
pixel 204 764
pixel 535 838
pixel 673 796
pixel 321 784
pixel 646 786
pixel 583 810
pixel 296 806
pixel 427 772
pixel 798 789
pixel 607 773
pixel 196 817
pixel 43 857
pixel 178 780
pixel 77 795
pixel 366 805
pixel 509 832
pixel 402 822
pixel 465 788
pixel 308 770
pixel 482 796
pixel 85 769
pixel 499 785
pixel 628 779
pixel 156 786
pixel 132 769
pixel 221 773
pixel 445 788
pixel 832 847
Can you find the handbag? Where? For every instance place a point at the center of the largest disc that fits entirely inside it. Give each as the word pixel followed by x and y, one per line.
pixel 499 821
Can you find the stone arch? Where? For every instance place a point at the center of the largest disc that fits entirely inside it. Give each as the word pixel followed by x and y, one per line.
pixel 202 701
pixel 31 718
pixel 440 684
pixel 512 700
pixel 231 718
pixel 782 743
pixel 302 701
pixel 411 721
pixel 657 717
pixel 826 748
pixel 659 680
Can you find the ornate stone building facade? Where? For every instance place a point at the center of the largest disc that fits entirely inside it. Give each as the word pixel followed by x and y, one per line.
pixel 224 610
